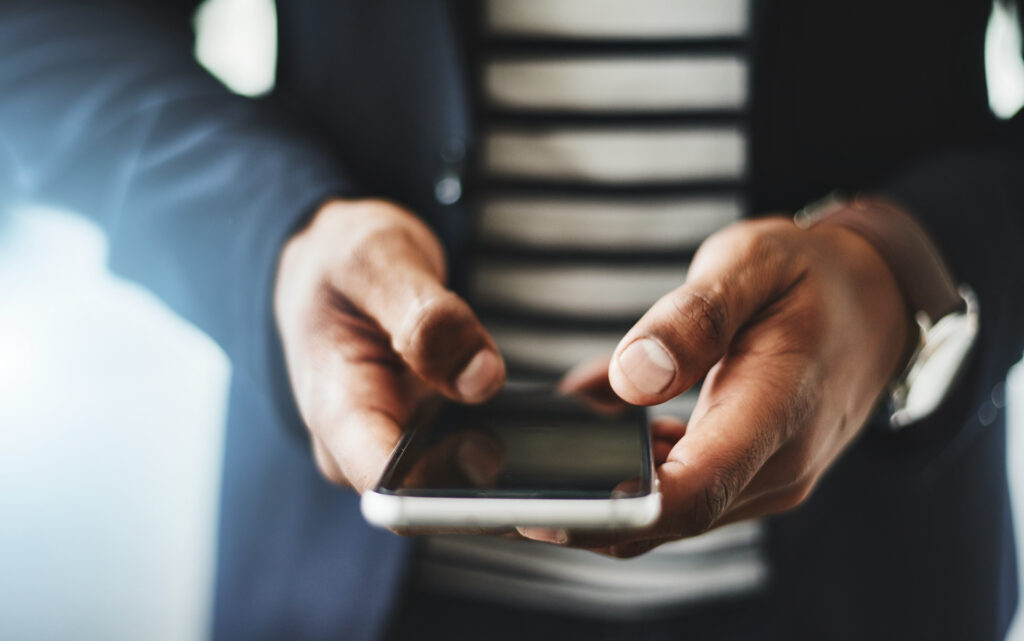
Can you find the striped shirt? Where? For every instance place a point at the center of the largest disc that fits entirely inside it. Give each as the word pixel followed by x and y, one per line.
pixel 613 143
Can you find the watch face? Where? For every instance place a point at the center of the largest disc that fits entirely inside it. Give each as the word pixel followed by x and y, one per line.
pixel 941 359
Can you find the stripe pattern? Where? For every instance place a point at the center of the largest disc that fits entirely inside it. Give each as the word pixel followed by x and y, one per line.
pixel 544 577
pixel 613 144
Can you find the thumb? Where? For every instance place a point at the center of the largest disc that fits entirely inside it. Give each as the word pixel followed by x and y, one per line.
pixel 688 330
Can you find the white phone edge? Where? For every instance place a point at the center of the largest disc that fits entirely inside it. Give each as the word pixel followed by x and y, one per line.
pixel 390 510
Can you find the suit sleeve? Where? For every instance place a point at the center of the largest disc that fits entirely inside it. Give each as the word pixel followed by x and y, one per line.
pixel 104 111
pixel 971 201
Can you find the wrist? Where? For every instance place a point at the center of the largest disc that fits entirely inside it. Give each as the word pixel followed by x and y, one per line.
pixel 878 299
pixel 945 315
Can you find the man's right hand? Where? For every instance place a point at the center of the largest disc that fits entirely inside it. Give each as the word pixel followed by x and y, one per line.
pixel 370 331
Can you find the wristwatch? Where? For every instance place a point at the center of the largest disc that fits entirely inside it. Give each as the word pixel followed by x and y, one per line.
pixel 946 315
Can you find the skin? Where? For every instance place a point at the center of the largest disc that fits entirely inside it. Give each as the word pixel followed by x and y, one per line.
pixel 797 332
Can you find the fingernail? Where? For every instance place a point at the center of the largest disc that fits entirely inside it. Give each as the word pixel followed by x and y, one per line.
pixel 479 460
pixel 648 366
pixel 545 535
pixel 478 377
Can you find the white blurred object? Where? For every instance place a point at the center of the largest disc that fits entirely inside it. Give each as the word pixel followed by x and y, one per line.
pixel 1015 459
pixel 1004 67
pixel 236 40
pixel 111 415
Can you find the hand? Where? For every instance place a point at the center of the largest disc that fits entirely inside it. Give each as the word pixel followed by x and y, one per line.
pixel 369 332
pixel 798 332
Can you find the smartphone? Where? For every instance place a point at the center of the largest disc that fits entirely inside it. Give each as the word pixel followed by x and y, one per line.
pixel 529 457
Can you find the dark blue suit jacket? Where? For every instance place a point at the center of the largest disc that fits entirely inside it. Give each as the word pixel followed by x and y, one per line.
pixel 103 109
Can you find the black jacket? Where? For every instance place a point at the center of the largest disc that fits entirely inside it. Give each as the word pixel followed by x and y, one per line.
pixel 103 109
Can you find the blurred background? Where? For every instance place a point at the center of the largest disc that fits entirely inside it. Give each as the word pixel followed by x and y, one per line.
pixel 111 408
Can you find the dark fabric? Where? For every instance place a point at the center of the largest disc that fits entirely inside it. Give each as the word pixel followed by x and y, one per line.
pixel 893 546
pixel 425 616
pixel 102 109
pixel 295 560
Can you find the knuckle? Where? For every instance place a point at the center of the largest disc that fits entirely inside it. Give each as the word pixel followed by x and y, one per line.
pixel 762 243
pixel 376 247
pixel 361 256
pixel 711 502
pixel 762 248
pixel 765 248
pixel 435 333
pixel 387 238
pixel 707 312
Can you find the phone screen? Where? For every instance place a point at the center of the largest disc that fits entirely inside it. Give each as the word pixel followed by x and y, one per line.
pixel 524 444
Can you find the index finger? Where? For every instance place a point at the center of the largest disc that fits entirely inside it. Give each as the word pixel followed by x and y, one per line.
pixel 362 419
pixel 396 277
pixel 740 421
pixel 357 399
